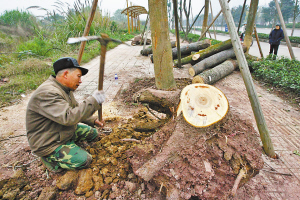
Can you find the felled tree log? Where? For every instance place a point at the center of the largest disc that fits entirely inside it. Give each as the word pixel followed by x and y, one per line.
pixel 159 100
pixel 213 75
pixel 185 50
pixel 205 53
pixel 149 51
pixel 212 61
pixel 203 162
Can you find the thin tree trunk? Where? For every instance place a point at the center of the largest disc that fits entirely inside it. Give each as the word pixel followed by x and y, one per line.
pixel 206 11
pixel 250 23
pixel 164 78
pixel 294 18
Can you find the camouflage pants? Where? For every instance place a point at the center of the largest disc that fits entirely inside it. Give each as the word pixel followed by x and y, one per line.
pixel 69 155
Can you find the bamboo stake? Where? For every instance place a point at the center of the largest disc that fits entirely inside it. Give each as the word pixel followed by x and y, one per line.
pixel 287 39
pixel 87 30
pixel 258 43
pixel 243 65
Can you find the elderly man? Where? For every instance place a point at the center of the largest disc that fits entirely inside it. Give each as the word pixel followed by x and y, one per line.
pixel 53 116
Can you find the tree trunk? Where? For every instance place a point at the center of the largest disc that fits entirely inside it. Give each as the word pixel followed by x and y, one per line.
pixel 187 160
pixel 250 23
pixel 212 61
pixel 164 78
pixel 294 17
pixel 149 51
pixel 205 53
pixel 206 11
pixel 217 73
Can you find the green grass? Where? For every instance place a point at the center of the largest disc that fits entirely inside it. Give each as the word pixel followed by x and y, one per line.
pixel 27 61
pixel 194 37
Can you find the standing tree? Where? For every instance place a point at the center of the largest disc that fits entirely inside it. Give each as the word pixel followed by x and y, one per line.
pixel 250 23
pixel 206 11
pixel 161 45
pixel 287 6
pixel 296 13
pixel 236 13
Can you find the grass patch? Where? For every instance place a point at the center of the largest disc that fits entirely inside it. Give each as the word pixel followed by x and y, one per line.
pixel 194 37
pixel 281 73
pixel 27 75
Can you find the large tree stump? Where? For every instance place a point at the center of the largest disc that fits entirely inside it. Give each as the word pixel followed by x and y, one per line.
pixel 217 73
pixel 205 53
pixel 212 61
pixel 190 161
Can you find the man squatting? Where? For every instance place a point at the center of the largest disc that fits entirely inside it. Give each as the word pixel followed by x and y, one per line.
pixel 53 118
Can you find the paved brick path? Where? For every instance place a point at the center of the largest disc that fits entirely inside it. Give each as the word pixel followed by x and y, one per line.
pixel 280 179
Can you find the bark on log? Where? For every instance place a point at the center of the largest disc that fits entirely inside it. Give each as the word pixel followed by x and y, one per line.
pixel 212 61
pixel 185 50
pixel 159 100
pixel 205 53
pixel 213 75
pixel 149 51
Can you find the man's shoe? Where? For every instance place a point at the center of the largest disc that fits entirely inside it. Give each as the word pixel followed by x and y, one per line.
pixel 51 167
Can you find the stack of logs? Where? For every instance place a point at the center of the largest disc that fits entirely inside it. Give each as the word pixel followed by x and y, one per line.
pixel 210 63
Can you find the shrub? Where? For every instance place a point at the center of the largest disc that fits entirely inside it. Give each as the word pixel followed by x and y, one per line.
pixel 283 73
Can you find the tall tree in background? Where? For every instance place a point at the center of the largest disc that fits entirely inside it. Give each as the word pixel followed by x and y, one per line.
pixel 250 23
pixel 206 11
pixel 296 13
pixel 236 13
pixel 287 6
pixel 187 12
pixel 161 45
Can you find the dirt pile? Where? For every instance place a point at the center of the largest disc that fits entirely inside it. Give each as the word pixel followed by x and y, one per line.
pixel 207 161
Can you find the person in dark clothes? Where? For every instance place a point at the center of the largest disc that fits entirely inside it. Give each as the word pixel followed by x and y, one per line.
pixel 274 39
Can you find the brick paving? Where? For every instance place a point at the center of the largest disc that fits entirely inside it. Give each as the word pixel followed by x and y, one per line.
pixel 279 179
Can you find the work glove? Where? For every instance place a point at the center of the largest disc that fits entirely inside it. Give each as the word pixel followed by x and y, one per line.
pixel 99 96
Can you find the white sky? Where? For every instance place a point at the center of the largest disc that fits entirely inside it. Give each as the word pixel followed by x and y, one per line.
pixel 109 5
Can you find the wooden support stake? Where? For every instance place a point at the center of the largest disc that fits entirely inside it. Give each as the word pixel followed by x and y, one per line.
pixel 243 65
pixel 287 39
pixel 203 34
pixel 87 30
pixel 131 21
pixel 212 18
pixel 241 16
pixel 128 22
pixel 177 33
pixel 258 43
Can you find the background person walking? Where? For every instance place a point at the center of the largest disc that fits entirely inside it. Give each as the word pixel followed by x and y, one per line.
pixel 274 39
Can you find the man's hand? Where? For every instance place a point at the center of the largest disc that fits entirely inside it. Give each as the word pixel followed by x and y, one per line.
pixel 99 123
pixel 99 96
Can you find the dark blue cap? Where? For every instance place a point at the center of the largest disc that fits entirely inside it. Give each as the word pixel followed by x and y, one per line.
pixel 68 62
